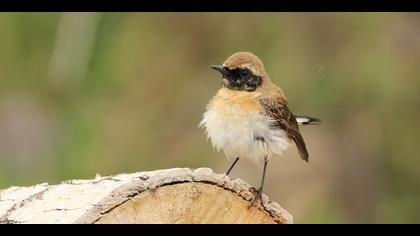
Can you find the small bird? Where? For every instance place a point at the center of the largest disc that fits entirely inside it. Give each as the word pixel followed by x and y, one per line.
pixel 249 117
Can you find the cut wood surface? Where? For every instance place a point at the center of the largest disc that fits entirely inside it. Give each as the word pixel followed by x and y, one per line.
pixel 178 195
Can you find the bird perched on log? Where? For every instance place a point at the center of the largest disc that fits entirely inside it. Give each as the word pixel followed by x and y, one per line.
pixel 249 116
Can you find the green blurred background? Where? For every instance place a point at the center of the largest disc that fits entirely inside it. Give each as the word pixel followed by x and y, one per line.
pixel 87 93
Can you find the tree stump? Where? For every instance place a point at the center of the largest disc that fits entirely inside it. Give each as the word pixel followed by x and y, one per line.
pixel 178 195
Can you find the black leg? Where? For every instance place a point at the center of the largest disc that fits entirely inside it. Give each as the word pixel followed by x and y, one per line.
pixel 260 190
pixel 231 167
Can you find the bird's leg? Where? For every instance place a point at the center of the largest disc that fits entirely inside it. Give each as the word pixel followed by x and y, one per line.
pixel 260 190
pixel 231 167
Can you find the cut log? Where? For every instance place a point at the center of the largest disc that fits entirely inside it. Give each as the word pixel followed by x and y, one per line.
pixel 178 195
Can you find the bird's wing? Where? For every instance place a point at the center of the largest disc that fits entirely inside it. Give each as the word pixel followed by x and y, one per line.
pixel 285 120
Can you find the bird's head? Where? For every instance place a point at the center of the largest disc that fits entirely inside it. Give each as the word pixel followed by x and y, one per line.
pixel 242 71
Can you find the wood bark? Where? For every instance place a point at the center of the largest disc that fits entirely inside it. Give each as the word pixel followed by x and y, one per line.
pixel 178 195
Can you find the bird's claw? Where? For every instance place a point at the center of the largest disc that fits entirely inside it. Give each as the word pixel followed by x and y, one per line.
pixel 256 198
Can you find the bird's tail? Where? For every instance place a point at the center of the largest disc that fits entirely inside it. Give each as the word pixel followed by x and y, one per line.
pixel 307 120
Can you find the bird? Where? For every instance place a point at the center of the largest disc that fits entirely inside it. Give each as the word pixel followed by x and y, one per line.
pixel 249 116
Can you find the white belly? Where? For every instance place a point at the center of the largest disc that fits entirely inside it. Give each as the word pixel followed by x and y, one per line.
pixel 236 132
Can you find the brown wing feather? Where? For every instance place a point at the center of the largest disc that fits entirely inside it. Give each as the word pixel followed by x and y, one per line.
pixel 285 120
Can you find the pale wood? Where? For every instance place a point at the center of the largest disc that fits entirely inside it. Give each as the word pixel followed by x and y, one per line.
pixel 178 195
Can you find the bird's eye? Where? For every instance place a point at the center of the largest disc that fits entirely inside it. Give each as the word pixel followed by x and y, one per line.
pixel 244 72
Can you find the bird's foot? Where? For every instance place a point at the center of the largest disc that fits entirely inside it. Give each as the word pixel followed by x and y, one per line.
pixel 257 197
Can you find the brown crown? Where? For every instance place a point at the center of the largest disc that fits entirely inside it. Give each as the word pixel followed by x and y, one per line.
pixel 245 59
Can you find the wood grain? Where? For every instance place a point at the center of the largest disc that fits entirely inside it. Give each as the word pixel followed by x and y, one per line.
pixel 174 196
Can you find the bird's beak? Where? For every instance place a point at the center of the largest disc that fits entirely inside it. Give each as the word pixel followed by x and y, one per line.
pixel 221 69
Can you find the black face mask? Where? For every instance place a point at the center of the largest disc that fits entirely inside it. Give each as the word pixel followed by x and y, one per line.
pixel 241 79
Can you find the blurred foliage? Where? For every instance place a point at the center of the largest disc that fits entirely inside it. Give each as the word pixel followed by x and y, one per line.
pixel 85 93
